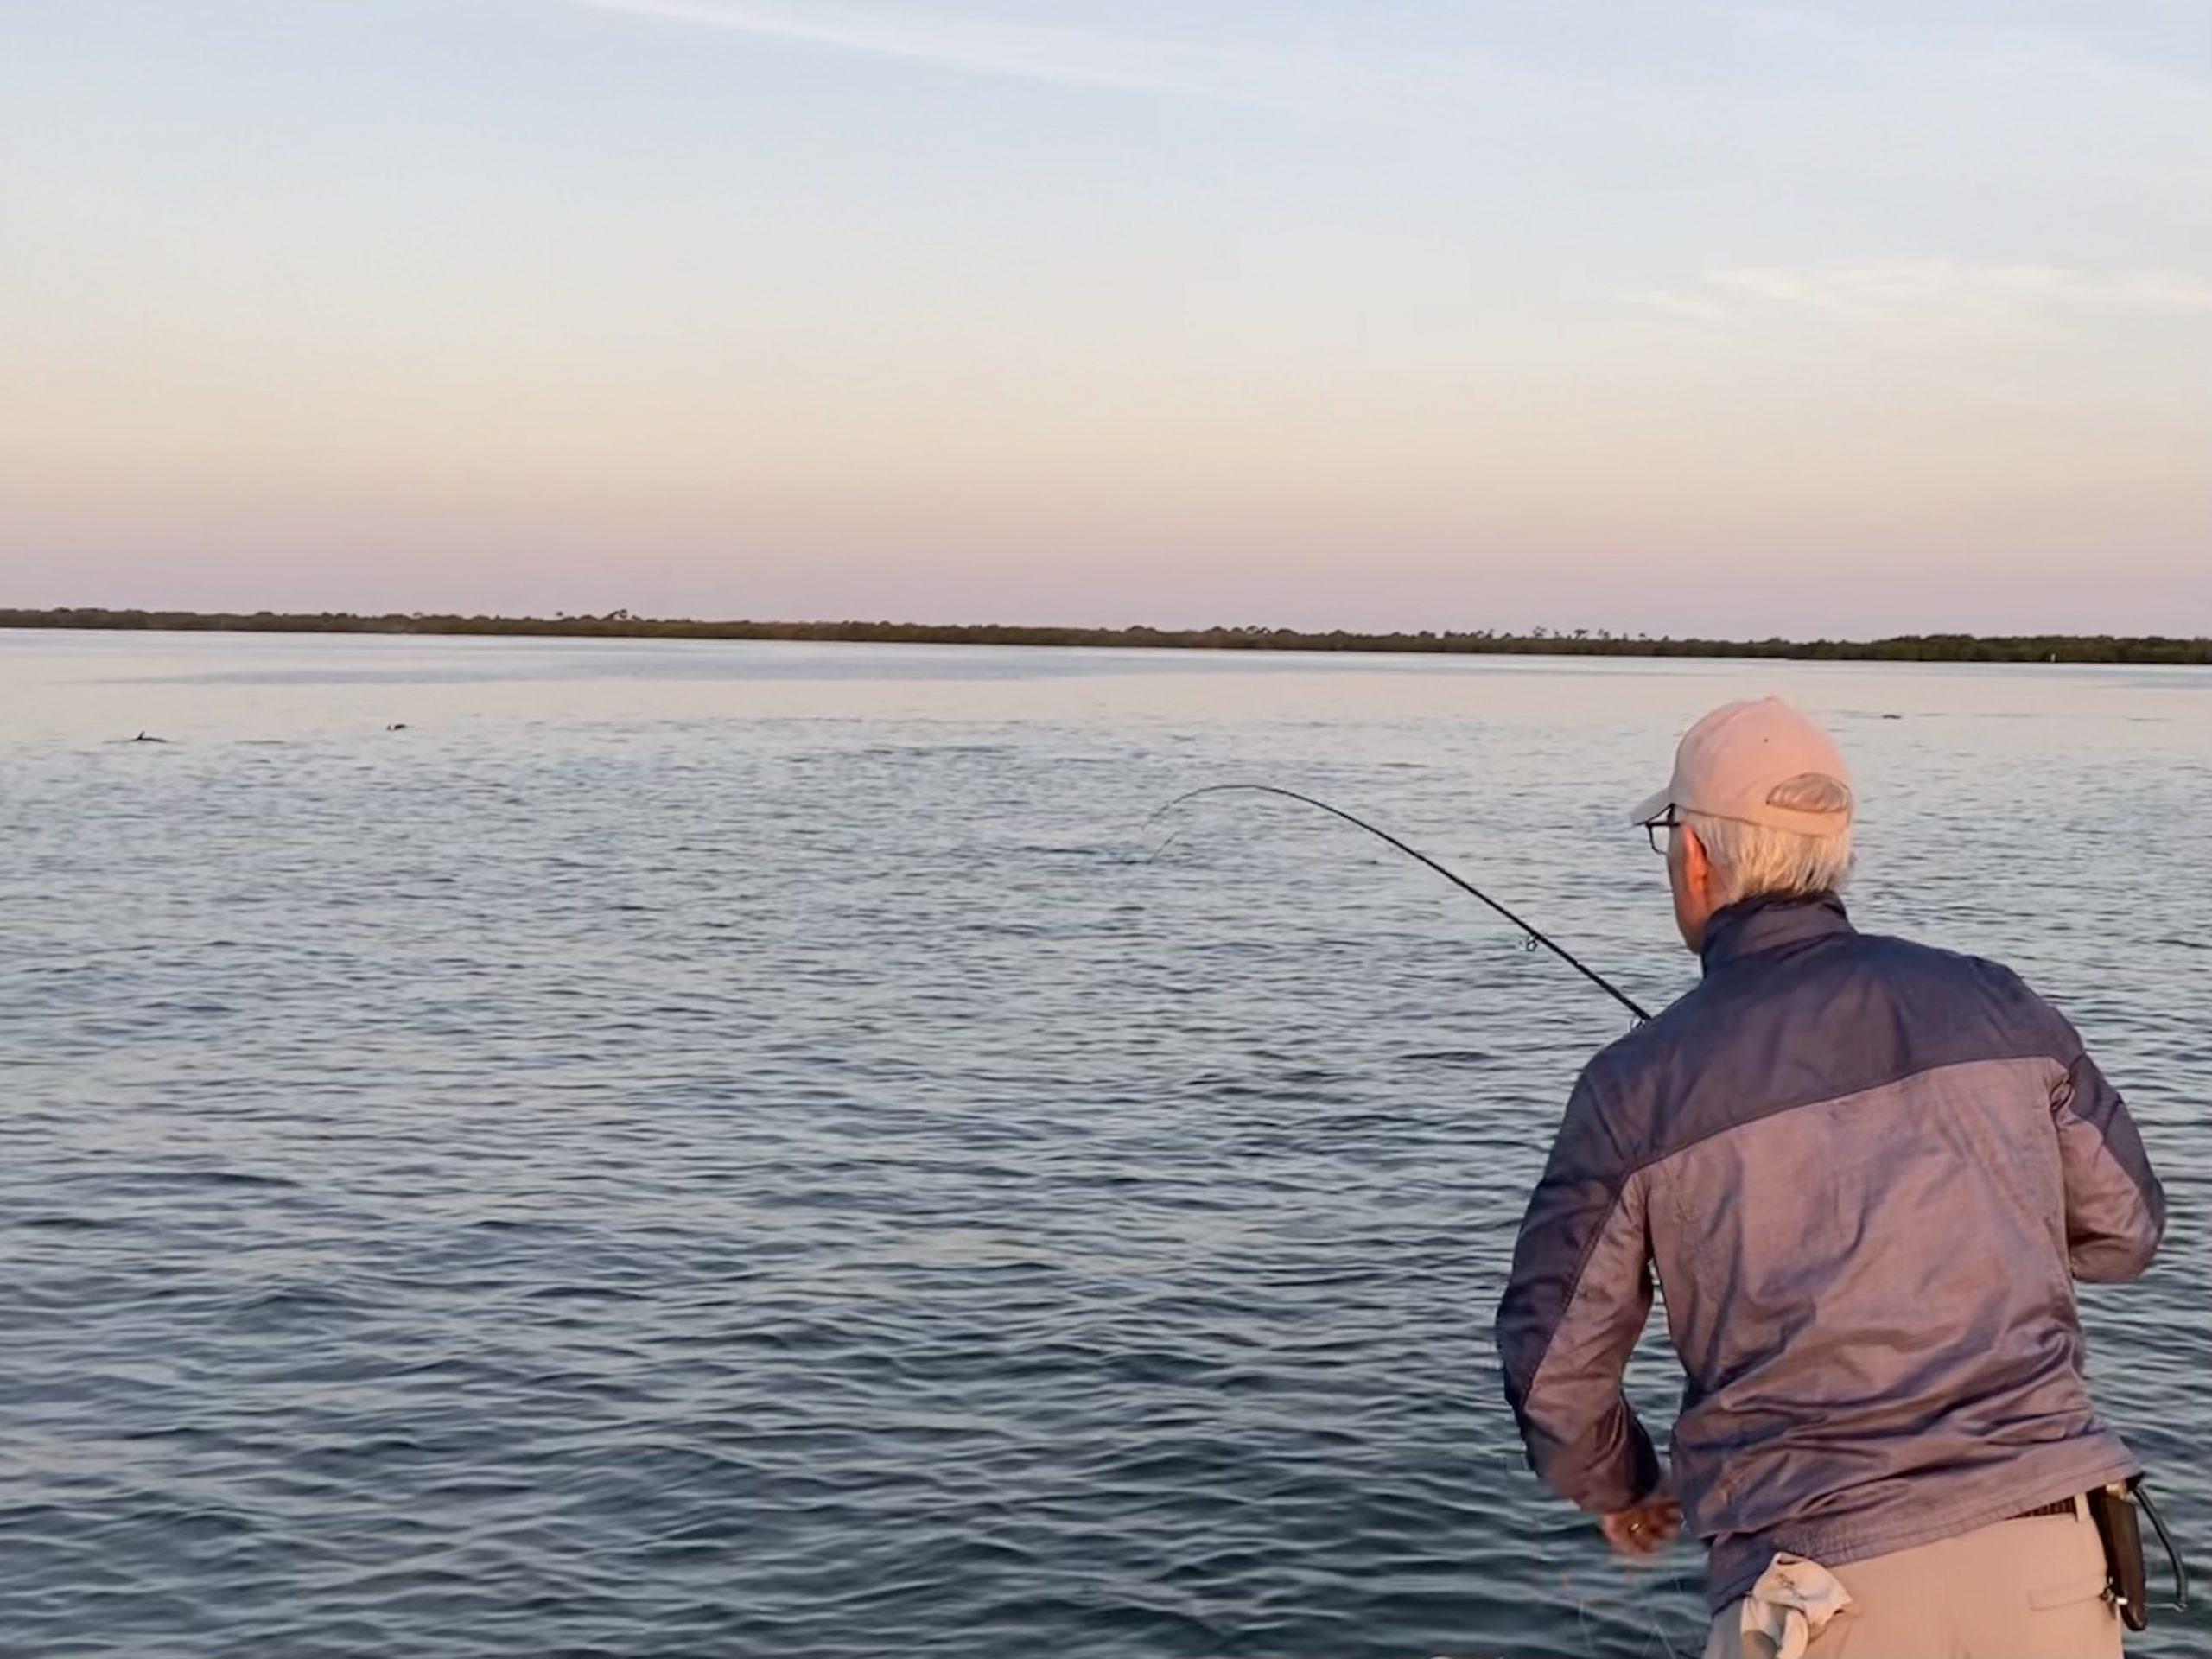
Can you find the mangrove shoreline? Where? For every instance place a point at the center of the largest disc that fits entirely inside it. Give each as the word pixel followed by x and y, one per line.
pixel 1540 642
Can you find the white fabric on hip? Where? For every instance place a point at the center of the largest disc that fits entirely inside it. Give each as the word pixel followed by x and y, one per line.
pixel 1789 1606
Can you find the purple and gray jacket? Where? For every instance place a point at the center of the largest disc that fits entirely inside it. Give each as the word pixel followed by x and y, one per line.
pixel 1865 1172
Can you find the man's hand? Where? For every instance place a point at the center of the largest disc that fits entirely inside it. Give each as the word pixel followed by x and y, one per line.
pixel 1643 1529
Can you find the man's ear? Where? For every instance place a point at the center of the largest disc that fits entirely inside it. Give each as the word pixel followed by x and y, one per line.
pixel 1697 869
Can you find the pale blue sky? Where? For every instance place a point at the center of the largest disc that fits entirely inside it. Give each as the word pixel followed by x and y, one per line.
pixel 1807 318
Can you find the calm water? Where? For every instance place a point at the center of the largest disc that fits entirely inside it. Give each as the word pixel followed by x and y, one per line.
pixel 720 1149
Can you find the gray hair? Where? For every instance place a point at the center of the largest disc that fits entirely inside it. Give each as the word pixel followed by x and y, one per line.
pixel 1753 860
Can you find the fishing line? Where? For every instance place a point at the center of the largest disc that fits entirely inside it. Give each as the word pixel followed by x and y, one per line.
pixel 1534 938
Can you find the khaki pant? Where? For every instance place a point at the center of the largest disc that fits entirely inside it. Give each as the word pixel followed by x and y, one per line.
pixel 2018 1590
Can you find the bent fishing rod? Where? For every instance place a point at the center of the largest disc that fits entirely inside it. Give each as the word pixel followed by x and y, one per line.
pixel 1534 938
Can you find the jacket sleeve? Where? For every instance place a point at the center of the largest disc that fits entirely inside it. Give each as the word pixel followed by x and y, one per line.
pixel 2115 1209
pixel 1580 1294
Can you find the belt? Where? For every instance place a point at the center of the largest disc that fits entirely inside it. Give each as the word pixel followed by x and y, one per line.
pixel 2056 1506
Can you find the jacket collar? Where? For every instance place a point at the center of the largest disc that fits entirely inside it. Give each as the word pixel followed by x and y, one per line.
pixel 1750 926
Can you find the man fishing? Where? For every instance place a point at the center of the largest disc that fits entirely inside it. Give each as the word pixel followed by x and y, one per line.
pixel 1865 1172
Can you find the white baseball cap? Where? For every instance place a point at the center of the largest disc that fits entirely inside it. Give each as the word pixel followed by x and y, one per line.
pixel 1732 761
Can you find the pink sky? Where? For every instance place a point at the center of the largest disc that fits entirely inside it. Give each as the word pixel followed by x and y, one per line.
pixel 1873 322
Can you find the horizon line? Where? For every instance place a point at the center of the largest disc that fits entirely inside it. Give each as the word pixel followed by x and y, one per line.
pixel 1542 640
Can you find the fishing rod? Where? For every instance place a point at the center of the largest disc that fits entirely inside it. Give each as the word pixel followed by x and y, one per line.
pixel 1534 938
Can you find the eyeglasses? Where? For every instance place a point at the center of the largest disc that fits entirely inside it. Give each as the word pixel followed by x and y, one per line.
pixel 1666 820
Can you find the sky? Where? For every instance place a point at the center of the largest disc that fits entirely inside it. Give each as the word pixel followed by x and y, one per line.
pixel 1812 319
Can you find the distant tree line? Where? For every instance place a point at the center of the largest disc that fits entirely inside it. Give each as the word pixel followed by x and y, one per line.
pixel 1538 642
